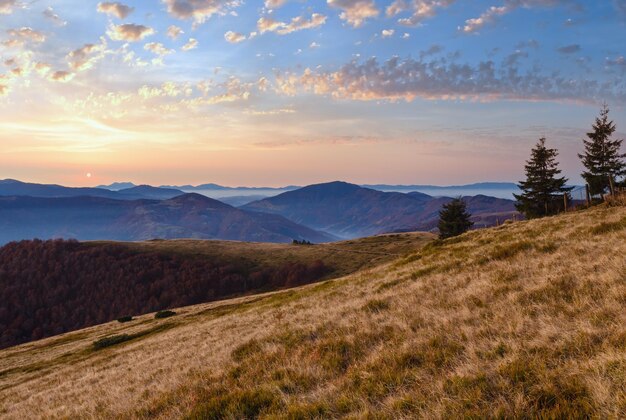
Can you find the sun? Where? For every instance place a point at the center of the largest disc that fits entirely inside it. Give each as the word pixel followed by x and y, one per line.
pixel 88 174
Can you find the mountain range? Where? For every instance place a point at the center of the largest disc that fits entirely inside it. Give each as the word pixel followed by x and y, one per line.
pixel 316 213
pixel 495 189
pixel 348 210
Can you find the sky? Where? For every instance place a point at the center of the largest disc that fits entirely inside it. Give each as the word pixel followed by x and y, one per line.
pixel 293 92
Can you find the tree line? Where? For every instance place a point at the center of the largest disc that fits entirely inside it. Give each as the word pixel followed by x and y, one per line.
pixel 51 287
pixel 544 192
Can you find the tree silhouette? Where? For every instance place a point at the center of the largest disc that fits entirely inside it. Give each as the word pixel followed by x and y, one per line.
pixel 454 219
pixel 542 191
pixel 602 157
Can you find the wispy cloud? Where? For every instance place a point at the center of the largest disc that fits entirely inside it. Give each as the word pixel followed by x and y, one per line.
pixel 493 13
pixel 266 24
pixel 355 12
pixel 420 10
pixel 192 44
pixel 407 79
pixel 50 14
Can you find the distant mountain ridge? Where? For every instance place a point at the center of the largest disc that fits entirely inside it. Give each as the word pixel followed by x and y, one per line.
pixel 348 210
pixel 185 216
pixel 12 187
pixel 380 187
pixel 340 209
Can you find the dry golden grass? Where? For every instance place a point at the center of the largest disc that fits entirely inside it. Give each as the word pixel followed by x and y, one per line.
pixel 523 320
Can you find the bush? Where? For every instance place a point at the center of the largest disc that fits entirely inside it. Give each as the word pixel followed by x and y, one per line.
pixel 125 319
pixel 111 341
pixel 164 314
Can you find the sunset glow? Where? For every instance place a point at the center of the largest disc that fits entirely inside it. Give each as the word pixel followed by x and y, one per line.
pixel 296 92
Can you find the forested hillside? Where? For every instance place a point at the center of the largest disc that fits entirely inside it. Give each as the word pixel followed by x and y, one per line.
pixel 50 287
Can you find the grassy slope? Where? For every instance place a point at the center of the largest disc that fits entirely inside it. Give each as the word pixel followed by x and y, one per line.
pixel 522 320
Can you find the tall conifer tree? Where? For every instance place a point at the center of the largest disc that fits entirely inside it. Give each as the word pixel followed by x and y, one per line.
pixel 542 191
pixel 602 157
pixel 454 219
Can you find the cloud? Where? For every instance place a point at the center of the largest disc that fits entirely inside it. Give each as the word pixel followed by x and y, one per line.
pixel 355 12
pixel 49 14
pixel 7 6
pixel 569 49
pixel 157 48
pixel 265 24
pixel 298 23
pixel 488 17
pixel 26 34
pixel 492 14
pixel 421 10
pixel 387 33
pixel 234 37
pixel 531 43
pixel 619 62
pixel 42 68
pixel 406 79
pixel 314 45
pixel 129 32
pixel 62 76
pixel 119 10
pixel 190 45
pixel 268 112
pixel 199 10
pixel 174 32
pixel 275 4
pixel 87 56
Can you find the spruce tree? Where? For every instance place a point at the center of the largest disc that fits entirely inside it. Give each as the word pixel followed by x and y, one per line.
pixel 454 219
pixel 542 191
pixel 602 157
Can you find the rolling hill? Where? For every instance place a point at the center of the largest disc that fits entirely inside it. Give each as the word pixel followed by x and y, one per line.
pixel 348 211
pixel 185 216
pixel 521 321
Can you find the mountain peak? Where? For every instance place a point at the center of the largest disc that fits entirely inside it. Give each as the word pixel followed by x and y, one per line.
pixel 334 186
pixel 195 199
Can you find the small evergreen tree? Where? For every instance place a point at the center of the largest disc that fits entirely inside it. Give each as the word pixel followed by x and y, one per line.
pixel 542 191
pixel 454 219
pixel 602 157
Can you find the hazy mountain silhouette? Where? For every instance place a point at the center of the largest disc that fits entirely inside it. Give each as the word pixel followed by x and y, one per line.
pixel 348 210
pixel 185 216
